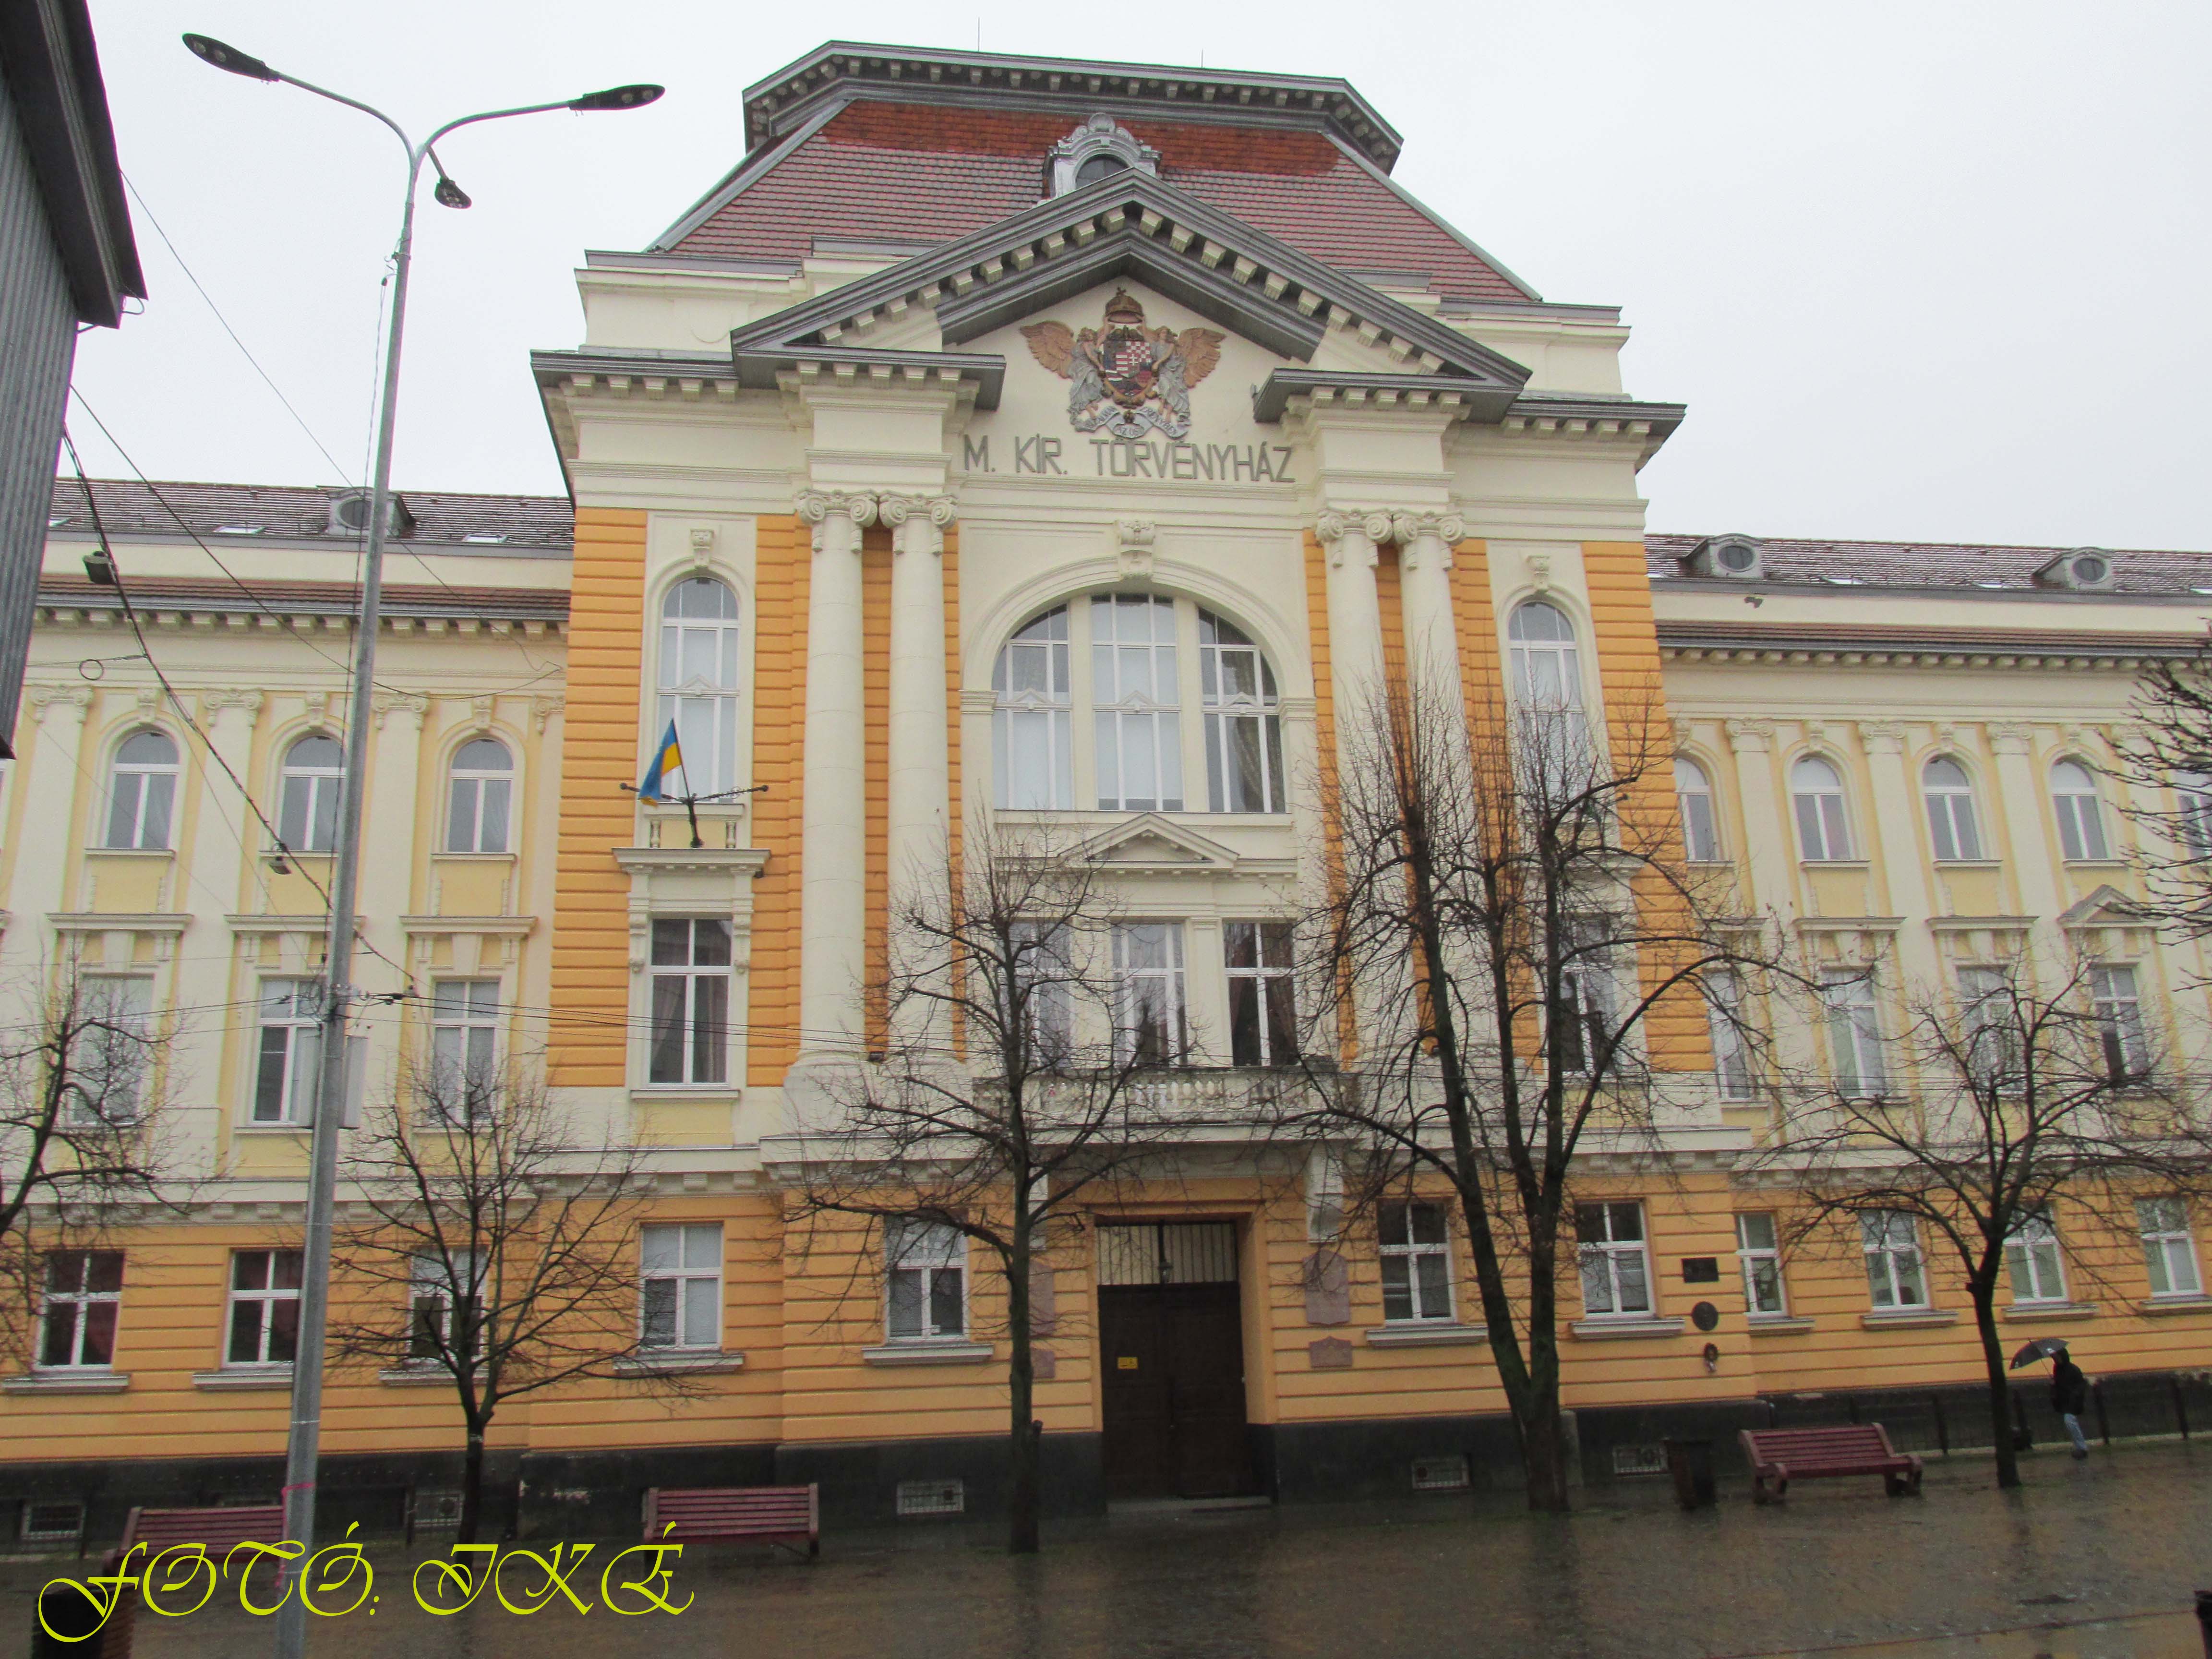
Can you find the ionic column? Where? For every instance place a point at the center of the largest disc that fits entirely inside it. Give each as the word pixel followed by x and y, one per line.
pixel 1355 616
pixel 1424 596
pixel 833 838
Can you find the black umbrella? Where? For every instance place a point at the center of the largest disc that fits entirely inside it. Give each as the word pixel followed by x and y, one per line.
pixel 2044 1347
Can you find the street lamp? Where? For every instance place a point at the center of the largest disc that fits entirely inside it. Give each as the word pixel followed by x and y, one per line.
pixel 301 1452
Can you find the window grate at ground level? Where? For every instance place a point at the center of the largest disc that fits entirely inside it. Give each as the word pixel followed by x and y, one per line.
pixel 1446 1474
pixel 1639 1460
pixel 932 1498
pixel 53 1523
pixel 1167 1253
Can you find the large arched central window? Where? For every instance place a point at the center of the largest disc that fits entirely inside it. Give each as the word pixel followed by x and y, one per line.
pixel 699 651
pixel 1088 702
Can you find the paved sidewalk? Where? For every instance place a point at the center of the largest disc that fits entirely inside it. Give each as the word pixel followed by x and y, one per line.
pixel 2097 1559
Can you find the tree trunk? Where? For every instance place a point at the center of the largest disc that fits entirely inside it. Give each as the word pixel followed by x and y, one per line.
pixel 1021 1498
pixel 1543 1429
pixel 1993 1364
pixel 472 1467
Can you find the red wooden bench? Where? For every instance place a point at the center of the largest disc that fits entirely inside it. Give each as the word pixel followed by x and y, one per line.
pixel 1780 1455
pixel 218 1529
pixel 785 1516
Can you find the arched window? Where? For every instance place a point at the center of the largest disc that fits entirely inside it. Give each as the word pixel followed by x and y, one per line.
pixel 2081 820
pixel 1031 757
pixel 1100 167
pixel 1823 830
pixel 699 681
pixel 315 769
pixel 1243 730
pixel 1547 668
pixel 143 791
pixel 483 792
pixel 1950 797
pixel 1694 796
pixel 1135 691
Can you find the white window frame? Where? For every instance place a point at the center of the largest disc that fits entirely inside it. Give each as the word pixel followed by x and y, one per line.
pixel 2192 814
pixel 703 701
pixel 2033 1260
pixel 922 1253
pixel 293 1006
pixel 1853 1014
pixel 307 807
pixel 1601 1259
pixel 1888 1239
pixel 134 823
pixel 697 1261
pixel 114 1057
pixel 1822 808
pixel 468 789
pixel 80 1300
pixel 704 1060
pixel 2168 1245
pixel 1534 658
pixel 2116 996
pixel 1131 992
pixel 429 1287
pixel 1699 809
pixel 1136 715
pixel 1044 704
pixel 1953 827
pixel 2082 838
pixel 1766 1292
pixel 465 1015
pixel 267 1297
pixel 1221 646
pixel 1587 991
pixel 1733 1076
pixel 1267 980
pixel 1422 1267
pixel 1989 1022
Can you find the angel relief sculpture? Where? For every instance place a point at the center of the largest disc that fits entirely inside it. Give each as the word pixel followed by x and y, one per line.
pixel 1125 379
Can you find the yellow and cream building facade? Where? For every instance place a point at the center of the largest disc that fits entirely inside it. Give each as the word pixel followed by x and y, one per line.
pixel 1061 444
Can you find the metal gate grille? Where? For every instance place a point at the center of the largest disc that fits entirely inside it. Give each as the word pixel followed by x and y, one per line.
pixel 1167 1253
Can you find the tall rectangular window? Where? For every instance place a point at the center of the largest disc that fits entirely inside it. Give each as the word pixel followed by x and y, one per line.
pixel 1149 1016
pixel 1135 693
pixel 464 1046
pixel 1759 1254
pixel 2169 1248
pixel 265 1308
pixel 1892 1249
pixel 1040 980
pixel 1243 730
pixel 925 1281
pixel 1031 756
pixel 2032 1258
pixel 690 1000
pixel 1732 1072
pixel 2119 1006
pixel 1263 1013
pixel 433 1333
pixel 83 1293
pixel 115 1051
pixel 1854 1033
pixel 1616 1259
pixel 1416 1251
pixel 682 1288
pixel 1582 1025
pixel 291 1055
pixel 1991 1028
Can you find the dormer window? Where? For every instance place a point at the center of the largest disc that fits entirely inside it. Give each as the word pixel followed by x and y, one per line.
pixel 1097 150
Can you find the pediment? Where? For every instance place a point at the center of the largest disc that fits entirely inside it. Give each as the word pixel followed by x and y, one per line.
pixel 1150 842
pixel 1131 227
pixel 2107 907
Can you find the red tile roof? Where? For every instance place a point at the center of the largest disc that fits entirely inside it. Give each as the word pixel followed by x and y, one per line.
pixel 906 172
pixel 442 518
pixel 1939 564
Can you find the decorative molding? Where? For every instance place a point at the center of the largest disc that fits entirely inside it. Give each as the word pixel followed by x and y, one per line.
pixel 1612 1327
pixel 77 1379
pixel 1765 1324
pixel 1441 1334
pixel 1343 534
pixel 1751 737
pixel 410 705
pixel 543 709
pixel 1882 736
pixel 2010 736
pixel 818 506
pixel 240 1378
pixel 67 699
pixel 1100 135
pixel 703 537
pixel 704 1362
pixel 2032 1314
pixel 1908 1319
pixel 1133 547
pixel 928 1353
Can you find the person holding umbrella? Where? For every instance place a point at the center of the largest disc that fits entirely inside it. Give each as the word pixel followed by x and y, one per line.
pixel 2069 1388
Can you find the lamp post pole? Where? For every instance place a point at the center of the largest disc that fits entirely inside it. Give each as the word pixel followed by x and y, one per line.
pixel 302 1449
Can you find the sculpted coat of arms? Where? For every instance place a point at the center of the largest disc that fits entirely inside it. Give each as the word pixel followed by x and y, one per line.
pixel 1125 379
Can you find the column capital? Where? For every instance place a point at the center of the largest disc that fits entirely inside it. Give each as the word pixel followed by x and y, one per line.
pixel 925 512
pixel 1346 534
pixel 1751 737
pixel 2010 738
pixel 817 506
pixel 68 700
pixel 411 706
pixel 1882 736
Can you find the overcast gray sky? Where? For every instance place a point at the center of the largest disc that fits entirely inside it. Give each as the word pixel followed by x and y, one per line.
pixel 1923 271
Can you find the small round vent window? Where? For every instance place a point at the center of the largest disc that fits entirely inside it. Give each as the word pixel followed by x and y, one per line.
pixel 352 511
pixel 1734 556
pixel 2090 568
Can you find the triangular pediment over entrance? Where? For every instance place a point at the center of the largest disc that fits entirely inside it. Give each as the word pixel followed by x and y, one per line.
pixel 1129 228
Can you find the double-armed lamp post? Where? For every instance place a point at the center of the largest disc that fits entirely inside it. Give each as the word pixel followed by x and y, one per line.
pixel 302 1449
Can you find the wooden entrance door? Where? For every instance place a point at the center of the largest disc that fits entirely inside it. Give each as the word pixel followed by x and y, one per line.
pixel 1173 1365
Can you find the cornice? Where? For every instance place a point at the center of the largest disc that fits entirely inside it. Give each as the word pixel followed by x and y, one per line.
pixel 1881 646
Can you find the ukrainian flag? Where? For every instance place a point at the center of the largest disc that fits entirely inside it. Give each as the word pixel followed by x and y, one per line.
pixel 669 758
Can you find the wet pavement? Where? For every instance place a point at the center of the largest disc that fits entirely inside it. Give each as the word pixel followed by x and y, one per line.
pixel 2097 1560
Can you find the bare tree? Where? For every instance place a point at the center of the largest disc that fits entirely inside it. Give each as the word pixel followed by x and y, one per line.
pixel 1019 1082
pixel 2024 1100
pixel 2167 752
pixel 1510 931
pixel 84 1145
pixel 493 1246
